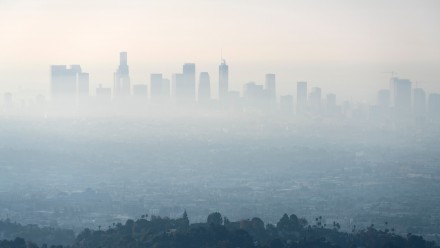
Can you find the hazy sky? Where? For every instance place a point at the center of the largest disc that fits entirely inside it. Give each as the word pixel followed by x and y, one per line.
pixel 343 46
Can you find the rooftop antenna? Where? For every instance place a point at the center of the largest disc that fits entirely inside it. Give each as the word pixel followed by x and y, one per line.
pixel 221 56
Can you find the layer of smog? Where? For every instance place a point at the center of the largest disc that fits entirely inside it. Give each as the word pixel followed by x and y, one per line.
pixel 194 158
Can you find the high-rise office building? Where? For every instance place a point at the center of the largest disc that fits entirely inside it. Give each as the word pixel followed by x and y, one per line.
pixel 270 86
pixel 402 95
pixel 189 78
pixel 286 103
pixel 103 98
pixel 166 88
pixel 315 100
pixel 140 91
pixel 83 84
pixel 122 85
pixel 103 93
pixel 204 91
pixel 255 96
pixel 419 101
pixel 383 99
pixel 434 105
pixel 301 97
pixel 67 84
pixel 156 86
pixel 177 89
pixel 223 81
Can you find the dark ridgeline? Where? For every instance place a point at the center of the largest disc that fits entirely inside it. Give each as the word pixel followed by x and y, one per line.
pixel 218 231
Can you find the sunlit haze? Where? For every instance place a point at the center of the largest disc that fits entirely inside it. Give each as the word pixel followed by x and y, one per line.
pixel 342 46
pixel 219 123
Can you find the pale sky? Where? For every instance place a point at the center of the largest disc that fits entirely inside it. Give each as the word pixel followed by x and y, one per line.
pixel 342 46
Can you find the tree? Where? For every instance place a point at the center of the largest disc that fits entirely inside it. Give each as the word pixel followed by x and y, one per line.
pixel 215 219
pixel 284 223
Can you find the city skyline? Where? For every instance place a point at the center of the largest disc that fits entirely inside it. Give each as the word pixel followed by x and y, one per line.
pixel 70 90
pixel 152 86
pixel 339 45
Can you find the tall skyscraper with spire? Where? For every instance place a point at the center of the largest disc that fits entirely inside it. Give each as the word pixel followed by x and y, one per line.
pixel 122 77
pixel 223 81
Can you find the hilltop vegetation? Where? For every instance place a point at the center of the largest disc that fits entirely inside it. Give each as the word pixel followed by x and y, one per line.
pixel 218 231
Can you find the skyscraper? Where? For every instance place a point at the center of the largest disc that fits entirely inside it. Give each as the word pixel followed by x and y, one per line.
pixel 83 84
pixel 402 96
pixel 122 85
pixel 315 100
pixel 383 99
pixel 204 92
pixel 270 86
pixel 286 103
pixel 434 105
pixel 177 89
pixel 189 78
pixel 140 91
pixel 223 81
pixel 255 96
pixel 419 101
pixel 103 93
pixel 156 85
pixel 67 84
pixel 301 97
pixel 166 88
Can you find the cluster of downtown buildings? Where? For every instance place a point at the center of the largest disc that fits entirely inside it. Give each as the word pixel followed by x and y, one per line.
pixel 70 91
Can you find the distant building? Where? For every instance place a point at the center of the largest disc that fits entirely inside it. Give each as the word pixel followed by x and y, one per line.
pixel 103 93
pixel 434 105
pixel 402 95
pixel 255 95
pixel 67 84
pixel 140 91
pixel 178 87
pixel 83 85
pixel 270 86
pixel 286 103
pixel 204 91
pixel 156 86
pixel 223 82
pixel 122 85
pixel 166 88
pixel 189 79
pixel 419 101
pixel 383 99
pixel 315 100
pixel 301 97
pixel 253 91
pixel 381 111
